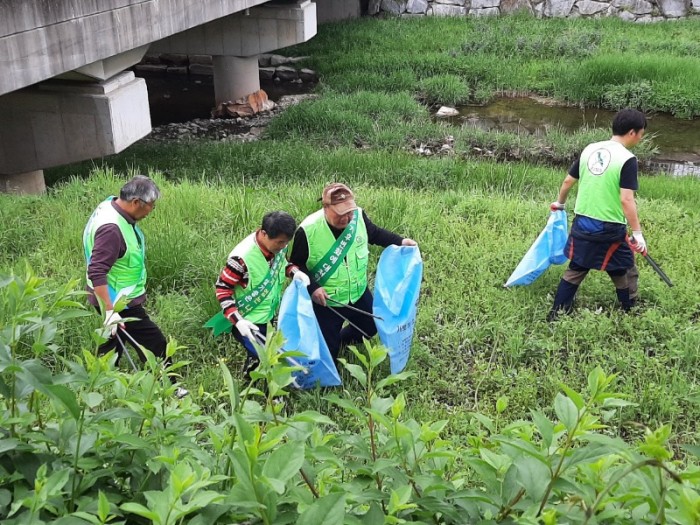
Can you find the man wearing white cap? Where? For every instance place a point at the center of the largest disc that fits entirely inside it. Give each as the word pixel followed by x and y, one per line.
pixel 331 246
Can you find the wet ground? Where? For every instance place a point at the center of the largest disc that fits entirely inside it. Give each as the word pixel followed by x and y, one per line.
pixel 190 98
pixel 678 140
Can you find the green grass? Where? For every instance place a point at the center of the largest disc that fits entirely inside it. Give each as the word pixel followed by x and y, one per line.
pixel 475 341
pixel 473 219
pixel 575 59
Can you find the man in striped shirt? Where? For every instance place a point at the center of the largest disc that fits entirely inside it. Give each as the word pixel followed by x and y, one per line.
pixel 249 287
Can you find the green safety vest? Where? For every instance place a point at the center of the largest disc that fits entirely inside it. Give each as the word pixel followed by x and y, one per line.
pixel 348 281
pixel 128 274
pixel 599 181
pixel 251 301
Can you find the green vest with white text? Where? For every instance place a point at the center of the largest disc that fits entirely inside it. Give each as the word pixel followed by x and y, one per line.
pixel 129 271
pixel 258 268
pixel 600 168
pixel 349 281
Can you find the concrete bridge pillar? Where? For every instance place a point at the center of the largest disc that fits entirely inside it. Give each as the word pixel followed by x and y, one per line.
pixel 31 183
pixel 235 42
pixel 64 121
pixel 235 77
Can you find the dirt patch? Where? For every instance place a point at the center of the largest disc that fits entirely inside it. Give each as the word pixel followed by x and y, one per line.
pixel 241 129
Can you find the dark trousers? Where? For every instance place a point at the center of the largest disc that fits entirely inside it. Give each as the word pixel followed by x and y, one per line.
pixel 332 324
pixel 143 330
pixel 625 281
pixel 251 361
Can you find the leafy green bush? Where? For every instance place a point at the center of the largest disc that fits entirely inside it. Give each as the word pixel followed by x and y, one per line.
pixel 85 443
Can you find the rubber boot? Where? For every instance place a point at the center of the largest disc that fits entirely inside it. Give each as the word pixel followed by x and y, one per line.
pixel 623 295
pixel 563 300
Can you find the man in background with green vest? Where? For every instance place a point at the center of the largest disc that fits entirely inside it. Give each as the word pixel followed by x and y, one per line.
pixel 331 246
pixel 249 287
pixel 605 206
pixel 115 253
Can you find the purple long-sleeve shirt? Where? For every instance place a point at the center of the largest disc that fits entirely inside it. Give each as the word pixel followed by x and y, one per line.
pixel 109 246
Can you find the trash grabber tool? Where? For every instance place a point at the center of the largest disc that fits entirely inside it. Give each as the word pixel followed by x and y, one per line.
pixel 652 263
pixel 125 351
pixel 358 310
pixel 657 269
pixel 261 339
pixel 336 312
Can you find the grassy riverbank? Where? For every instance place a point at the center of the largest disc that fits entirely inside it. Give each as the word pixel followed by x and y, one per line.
pixel 474 220
pixel 602 63
pixel 478 348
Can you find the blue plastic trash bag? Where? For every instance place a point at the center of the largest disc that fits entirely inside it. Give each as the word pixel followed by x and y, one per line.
pixel 301 332
pixel 396 290
pixel 547 249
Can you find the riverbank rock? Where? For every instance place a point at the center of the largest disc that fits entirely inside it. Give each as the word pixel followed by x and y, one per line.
pixel 245 106
pixel 446 111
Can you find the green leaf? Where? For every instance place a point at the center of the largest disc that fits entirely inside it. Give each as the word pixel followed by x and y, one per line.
pixel 566 411
pixel 574 396
pixel 381 405
pixel 8 444
pixel 616 402
pixel 533 476
pixel 246 434
pixel 501 404
pixel 544 426
pixel 346 404
pixel 394 378
pixel 596 381
pixel 398 405
pixel 355 371
pixel 311 416
pixel 66 397
pixel 693 449
pixel 329 510
pixel 140 510
pixel 103 507
pixel 231 386
pixel 54 485
pixel 130 439
pixel 374 516
pixel 484 420
pixel 93 399
pixel 376 353
pixel 285 461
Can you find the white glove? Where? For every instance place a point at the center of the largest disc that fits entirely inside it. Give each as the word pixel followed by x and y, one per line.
pixel 638 243
pixel 301 276
pixel 556 205
pixel 246 329
pixel 112 321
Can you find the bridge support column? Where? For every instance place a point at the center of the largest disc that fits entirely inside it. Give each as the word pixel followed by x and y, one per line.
pixel 31 183
pixel 235 77
pixel 61 122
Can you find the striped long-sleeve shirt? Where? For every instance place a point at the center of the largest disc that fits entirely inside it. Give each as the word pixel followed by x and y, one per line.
pixel 235 273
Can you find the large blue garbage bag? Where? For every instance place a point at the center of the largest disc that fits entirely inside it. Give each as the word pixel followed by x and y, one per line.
pixel 396 290
pixel 301 332
pixel 547 249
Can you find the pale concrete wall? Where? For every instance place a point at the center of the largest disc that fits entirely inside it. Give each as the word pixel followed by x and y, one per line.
pixel 64 122
pixel 40 39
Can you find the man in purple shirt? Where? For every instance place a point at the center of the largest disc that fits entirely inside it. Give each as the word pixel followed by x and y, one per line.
pixel 116 255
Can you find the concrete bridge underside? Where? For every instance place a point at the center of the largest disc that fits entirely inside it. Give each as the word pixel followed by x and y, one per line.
pixel 65 95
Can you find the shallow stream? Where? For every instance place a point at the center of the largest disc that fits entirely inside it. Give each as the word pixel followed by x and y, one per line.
pixel 678 140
